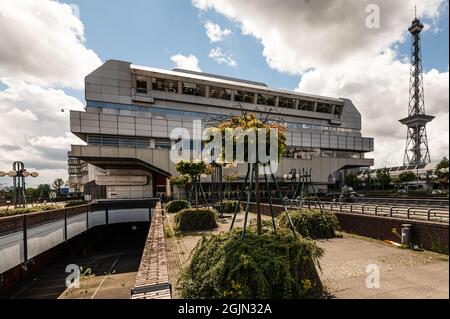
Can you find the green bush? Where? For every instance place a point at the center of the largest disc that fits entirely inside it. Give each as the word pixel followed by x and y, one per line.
pixel 28 210
pixel 76 203
pixel 228 206
pixel 176 205
pixel 271 265
pixel 191 219
pixel 312 223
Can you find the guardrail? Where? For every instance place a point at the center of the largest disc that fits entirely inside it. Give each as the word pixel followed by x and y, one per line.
pixel 25 236
pixel 413 213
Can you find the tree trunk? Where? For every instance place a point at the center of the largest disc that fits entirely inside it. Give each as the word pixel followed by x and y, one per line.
pixel 258 201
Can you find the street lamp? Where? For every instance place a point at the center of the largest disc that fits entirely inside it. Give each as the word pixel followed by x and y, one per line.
pixel 18 174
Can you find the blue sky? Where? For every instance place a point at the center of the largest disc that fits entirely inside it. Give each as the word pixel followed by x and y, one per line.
pixel 149 32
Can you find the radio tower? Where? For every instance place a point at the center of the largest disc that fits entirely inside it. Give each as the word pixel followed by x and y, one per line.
pixel 417 151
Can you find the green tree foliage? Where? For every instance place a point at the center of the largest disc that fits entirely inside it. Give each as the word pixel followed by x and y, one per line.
pixel 383 178
pixel 441 171
pixel 181 180
pixel 353 180
pixel 314 224
pixel 406 177
pixel 190 219
pixel 249 122
pixel 176 205
pixel 58 184
pixel 270 265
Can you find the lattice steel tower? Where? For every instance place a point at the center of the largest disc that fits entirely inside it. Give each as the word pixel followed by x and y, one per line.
pixel 417 151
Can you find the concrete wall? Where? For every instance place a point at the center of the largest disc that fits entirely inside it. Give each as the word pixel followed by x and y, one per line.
pixel 46 230
pixel 428 235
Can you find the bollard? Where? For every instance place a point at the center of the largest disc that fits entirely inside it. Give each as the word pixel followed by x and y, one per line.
pixel 406 234
pixel 429 214
pixel 351 208
pixel 376 210
pixel 408 212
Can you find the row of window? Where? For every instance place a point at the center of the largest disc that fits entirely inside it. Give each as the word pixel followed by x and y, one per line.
pixel 315 152
pixel 189 88
pixel 158 111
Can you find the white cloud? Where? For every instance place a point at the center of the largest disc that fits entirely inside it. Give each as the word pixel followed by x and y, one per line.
pixel 42 48
pixel 43 42
pixel 215 32
pixel 328 43
pixel 220 57
pixel 189 62
pixel 42 140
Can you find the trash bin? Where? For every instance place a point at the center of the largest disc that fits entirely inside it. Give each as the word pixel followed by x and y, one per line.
pixel 406 234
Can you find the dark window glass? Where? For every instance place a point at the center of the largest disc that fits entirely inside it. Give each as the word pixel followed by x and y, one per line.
pixel 264 99
pixel 141 86
pixel 324 108
pixel 306 105
pixel 286 102
pixel 165 85
pixel 193 89
pixel 219 93
pixel 337 110
pixel 242 96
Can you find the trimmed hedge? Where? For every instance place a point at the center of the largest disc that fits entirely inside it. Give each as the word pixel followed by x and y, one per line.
pixel 191 219
pixel 228 206
pixel 176 205
pixel 276 266
pixel 312 223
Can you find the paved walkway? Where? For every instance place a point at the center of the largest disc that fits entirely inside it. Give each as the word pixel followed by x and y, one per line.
pixel 403 273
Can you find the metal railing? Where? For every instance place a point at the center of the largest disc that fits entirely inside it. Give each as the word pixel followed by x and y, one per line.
pixel 413 213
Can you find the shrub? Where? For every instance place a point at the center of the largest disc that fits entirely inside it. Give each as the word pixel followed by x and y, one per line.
pixel 28 210
pixel 176 205
pixel 191 219
pixel 228 206
pixel 271 265
pixel 312 223
pixel 76 203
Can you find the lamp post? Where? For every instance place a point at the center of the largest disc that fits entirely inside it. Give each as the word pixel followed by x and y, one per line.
pixel 18 174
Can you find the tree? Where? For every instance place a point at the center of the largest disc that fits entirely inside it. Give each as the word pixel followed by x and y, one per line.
pixel 383 178
pixel 248 122
pixel 180 181
pixel 58 184
pixel 406 177
pixel 441 171
pixel 194 169
pixel 352 180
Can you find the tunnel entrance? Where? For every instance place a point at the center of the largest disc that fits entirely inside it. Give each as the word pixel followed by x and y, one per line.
pixel 108 257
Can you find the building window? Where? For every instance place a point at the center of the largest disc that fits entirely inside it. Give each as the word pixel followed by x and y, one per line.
pixel 264 99
pixel 165 85
pixel 162 144
pixel 193 89
pixel 306 105
pixel 337 109
pixel 115 141
pixel 141 86
pixel 286 102
pixel 242 96
pixel 324 108
pixel 219 93
pixel 327 153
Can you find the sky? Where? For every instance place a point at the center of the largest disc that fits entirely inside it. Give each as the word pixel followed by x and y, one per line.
pixel 339 48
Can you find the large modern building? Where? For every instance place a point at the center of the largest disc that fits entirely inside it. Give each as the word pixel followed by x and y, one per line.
pixel 131 111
